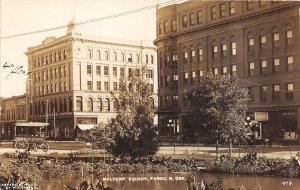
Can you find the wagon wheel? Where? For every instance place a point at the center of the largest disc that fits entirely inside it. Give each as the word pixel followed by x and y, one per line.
pixel 22 144
pixel 44 146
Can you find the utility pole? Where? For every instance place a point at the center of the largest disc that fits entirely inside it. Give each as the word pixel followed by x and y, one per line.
pixel 54 128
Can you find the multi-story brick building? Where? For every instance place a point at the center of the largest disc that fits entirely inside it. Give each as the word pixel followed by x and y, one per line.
pixel 258 41
pixel 72 78
pixel 13 110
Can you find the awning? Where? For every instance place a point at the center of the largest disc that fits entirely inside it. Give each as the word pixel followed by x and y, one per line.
pixel 85 127
pixel 32 124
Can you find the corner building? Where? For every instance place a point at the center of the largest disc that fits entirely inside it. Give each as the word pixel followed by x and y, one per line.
pixel 73 78
pixel 257 41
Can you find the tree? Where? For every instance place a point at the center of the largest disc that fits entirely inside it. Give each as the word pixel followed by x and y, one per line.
pixel 132 131
pixel 217 108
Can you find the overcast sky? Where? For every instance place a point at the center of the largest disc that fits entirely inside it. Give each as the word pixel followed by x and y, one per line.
pixel 22 16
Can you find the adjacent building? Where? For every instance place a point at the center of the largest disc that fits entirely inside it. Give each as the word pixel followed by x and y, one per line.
pixel 257 41
pixel 12 110
pixel 73 79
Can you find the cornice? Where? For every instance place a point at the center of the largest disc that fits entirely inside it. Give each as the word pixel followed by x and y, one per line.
pixel 227 22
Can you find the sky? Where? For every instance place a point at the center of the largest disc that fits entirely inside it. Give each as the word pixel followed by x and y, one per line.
pixel 23 16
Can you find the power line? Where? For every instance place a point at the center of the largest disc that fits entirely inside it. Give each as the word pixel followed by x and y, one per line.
pixel 95 20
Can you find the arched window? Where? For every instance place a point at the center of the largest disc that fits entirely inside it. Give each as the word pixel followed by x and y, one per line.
pixel 99 104
pixel 65 105
pixel 192 54
pixel 223 47
pixel 151 103
pixel 152 59
pixel 70 104
pixel 89 54
pixel 122 57
pixel 184 55
pixel 106 55
pixel 98 55
pixel 262 39
pixel 288 34
pixel 250 38
pixel 106 105
pixel 115 56
pixel 137 58
pixel 147 59
pixel 116 104
pixel 130 57
pixel 89 104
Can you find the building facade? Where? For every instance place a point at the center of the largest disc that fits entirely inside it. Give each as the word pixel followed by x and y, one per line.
pixel 257 41
pixel 13 110
pixel 73 78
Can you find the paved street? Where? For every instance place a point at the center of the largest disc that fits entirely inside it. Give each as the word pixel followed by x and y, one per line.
pixel 270 152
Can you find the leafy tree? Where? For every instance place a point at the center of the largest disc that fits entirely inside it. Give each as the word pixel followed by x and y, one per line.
pixel 217 108
pixel 132 131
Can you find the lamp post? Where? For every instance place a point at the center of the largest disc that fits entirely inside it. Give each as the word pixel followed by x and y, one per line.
pixel 217 144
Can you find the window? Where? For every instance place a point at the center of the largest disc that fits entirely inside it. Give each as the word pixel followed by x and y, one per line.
pixel 89 103
pixel 98 70
pixel 106 55
pixel 224 50
pixel 250 4
pixel 215 51
pixel 122 71
pixel 233 48
pixel 185 56
pixel 152 59
pixel 175 80
pixel 89 69
pixel 115 104
pixel 289 93
pixel 115 56
pixel 200 54
pixel 122 57
pixel 192 19
pixel 99 104
pixel 263 69
pixel 289 36
pixel 192 55
pixel 199 17
pixel 222 10
pixel 106 86
pixel 106 105
pixel 213 13
pixel 263 93
pixel 275 91
pixel 115 86
pixel 251 93
pixel 78 103
pixel 290 63
pixel 184 21
pixel 224 70
pixel 166 26
pixel 98 55
pixel 231 7
pixel 263 40
pixel 251 69
pixel 115 72
pixel 89 85
pixel 233 70
pixel 167 78
pixel 105 70
pixel 215 71
pixel 173 26
pixel 98 85
pixel 89 54
pixel 276 65
pixel 250 44
pixel 149 73
pixel 275 40
pixel 186 78
pixel 262 3
pixel 160 28
pixel 193 77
